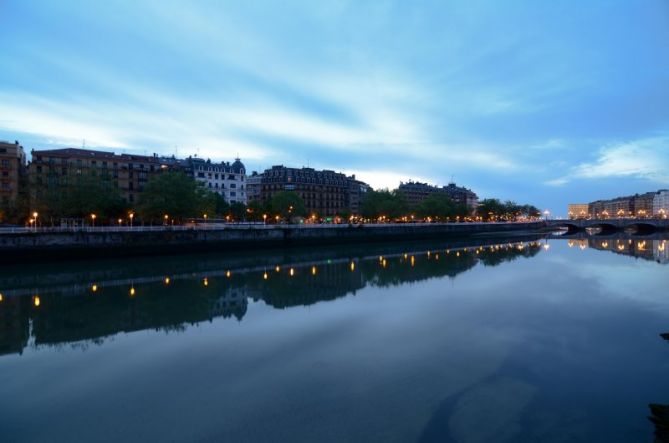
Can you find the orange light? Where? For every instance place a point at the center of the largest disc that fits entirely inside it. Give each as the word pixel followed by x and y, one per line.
pixel 277 269
pixel 94 288
pixel 205 281
pixel 313 270
pixel 352 266
pixel 228 274
pixel 167 280
pixel 1 297
pixel 36 301
pixel 265 276
pixel 132 291
pixel 292 272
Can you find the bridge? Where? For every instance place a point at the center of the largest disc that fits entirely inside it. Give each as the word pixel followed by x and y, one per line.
pixel 612 225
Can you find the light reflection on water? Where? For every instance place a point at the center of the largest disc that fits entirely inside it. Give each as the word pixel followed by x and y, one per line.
pixel 521 340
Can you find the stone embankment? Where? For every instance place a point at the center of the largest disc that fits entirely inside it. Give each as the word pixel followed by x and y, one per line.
pixel 106 242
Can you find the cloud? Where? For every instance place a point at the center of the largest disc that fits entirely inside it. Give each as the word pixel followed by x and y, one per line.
pixel 646 159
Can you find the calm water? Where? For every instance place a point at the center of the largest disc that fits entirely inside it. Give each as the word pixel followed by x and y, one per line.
pixel 550 340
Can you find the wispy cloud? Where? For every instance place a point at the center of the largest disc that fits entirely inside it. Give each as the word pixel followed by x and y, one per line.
pixel 646 159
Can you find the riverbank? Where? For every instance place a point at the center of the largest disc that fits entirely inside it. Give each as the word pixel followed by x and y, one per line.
pixel 101 242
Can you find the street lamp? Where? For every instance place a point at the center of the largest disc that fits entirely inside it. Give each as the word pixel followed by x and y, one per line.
pixel 35 218
pixel 205 220
pixel 93 217
pixel 165 217
pixel 547 213
pixel 131 216
pixel 264 219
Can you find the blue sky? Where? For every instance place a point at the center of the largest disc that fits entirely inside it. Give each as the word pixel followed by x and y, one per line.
pixel 540 102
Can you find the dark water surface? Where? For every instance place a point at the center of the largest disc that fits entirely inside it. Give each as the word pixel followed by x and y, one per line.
pixel 550 340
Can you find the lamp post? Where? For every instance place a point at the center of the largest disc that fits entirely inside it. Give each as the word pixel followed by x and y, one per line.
pixel 205 220
pixel 165 217
pixel 131 216
pixel 93 217
pixel 547 213
pixel 264 219
pixel 35 214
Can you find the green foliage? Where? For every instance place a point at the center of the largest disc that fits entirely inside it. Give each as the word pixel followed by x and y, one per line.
pixel 238 211
pixel 286 204
pixel 79 196
pixel 493 209
pixel 176 195
pixel 437 205
pixel 384 203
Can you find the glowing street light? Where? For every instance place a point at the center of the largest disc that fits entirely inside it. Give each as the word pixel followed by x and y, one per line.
pixel 93 217
pixel 131 216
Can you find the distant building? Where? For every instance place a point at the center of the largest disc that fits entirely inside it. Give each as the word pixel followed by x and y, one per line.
pixel 661 203
pixel 462 196
pixel 55 168
pixel 326 193
pixel 12 171
pixel 228 180
pixel 416 192
pixel 356 193
pixel 577 210
pixel 254 187
pixel 638 205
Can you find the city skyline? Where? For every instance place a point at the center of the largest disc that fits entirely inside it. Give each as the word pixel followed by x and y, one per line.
pixel 546 104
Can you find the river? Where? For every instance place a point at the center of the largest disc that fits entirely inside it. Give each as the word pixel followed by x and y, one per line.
pixel 502 339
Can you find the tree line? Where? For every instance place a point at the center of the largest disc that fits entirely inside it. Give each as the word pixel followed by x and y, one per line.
pixel 175 197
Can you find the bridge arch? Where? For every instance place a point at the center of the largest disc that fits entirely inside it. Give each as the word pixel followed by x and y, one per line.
pixel 605 228
pixel 642 227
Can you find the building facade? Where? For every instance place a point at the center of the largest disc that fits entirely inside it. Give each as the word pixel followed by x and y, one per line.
pixel 226 179
pixel 661 203
pixel 56 168
pixel 577 210
pixel 324 193
pixel 638 205
pixel 416 192
pixel 356 194
pixel 254 187
pixel 12 171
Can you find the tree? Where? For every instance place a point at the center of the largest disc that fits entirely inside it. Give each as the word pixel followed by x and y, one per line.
pixel 79 196
pixel 173 194
pixel 490 209
pixel 287 204
pixel 437 205
pixel 384 203
pixel 238 211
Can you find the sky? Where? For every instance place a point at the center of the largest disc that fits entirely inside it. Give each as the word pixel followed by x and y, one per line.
pixel 545 103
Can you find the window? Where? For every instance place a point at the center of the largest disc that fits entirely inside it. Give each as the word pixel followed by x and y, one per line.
pixel 216 176
pixel 233 186
pixel 5 163
pixel 233 194
pixel 231 176
pixel 200 174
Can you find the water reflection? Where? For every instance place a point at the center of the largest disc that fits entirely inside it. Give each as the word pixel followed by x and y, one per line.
pixel 70 310
pixel 526 339
pixel 649 249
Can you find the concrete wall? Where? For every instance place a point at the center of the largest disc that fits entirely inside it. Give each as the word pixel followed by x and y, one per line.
pixel 34 245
